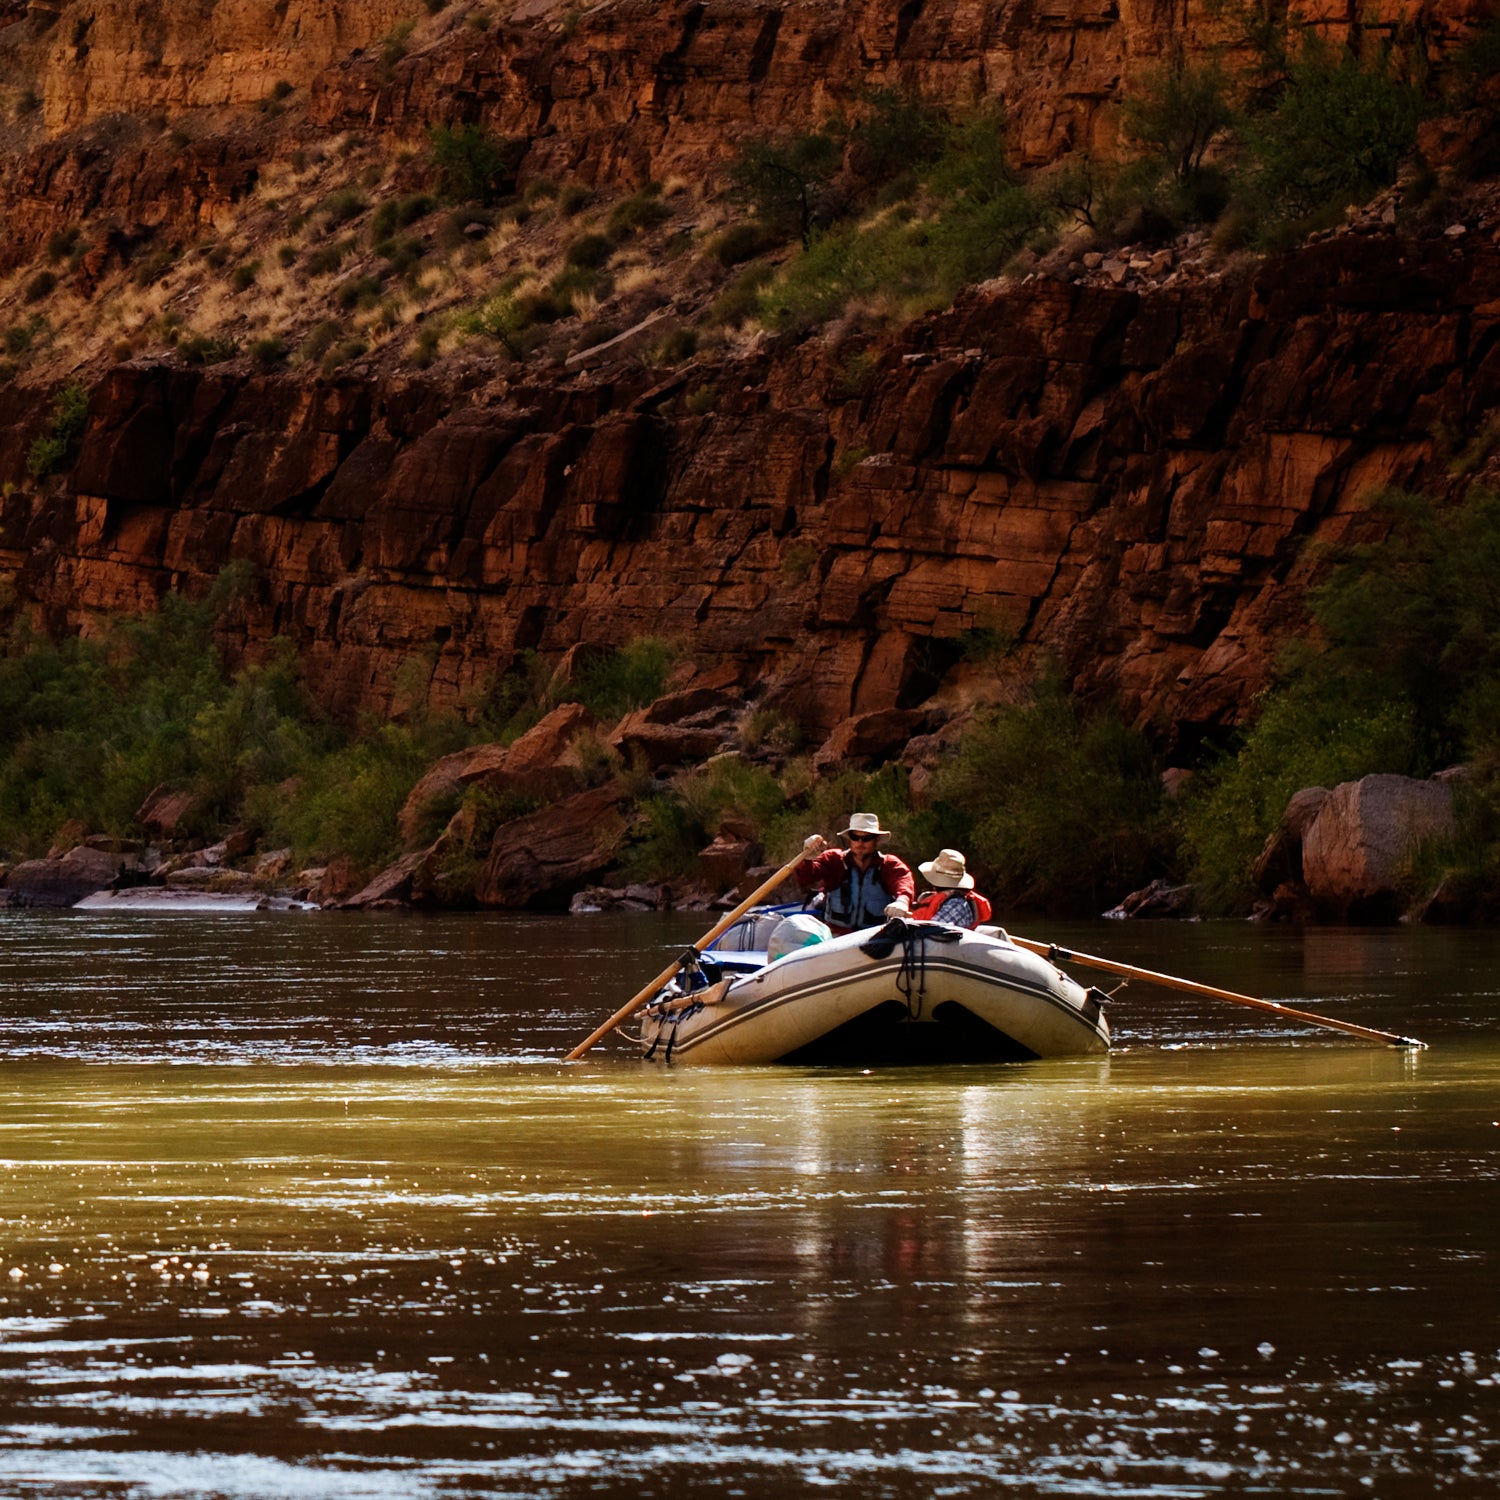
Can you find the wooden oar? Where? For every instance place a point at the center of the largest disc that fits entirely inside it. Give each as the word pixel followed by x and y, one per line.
pixel 628 1010
pixel 1147 976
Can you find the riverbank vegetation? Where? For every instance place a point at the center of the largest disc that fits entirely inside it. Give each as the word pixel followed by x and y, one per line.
pixel 1400 674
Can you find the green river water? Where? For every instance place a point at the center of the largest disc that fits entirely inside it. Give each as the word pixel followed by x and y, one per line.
pixel 305 1205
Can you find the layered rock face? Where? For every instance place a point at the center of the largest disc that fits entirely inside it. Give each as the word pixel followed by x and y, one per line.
pixel 618 92
pixel 1122 482
pixel 137 57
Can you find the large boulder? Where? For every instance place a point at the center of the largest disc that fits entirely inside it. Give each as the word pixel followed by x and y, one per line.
pixel 167 810
pixel 874 735
pixel 534 765
pixel 548 854
pixel 65 881
pixel 1280 859
pixel 1357 851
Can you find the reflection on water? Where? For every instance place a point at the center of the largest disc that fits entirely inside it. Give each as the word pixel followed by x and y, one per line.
pixel 300 1205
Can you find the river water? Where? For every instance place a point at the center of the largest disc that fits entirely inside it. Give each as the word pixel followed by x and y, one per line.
pixel 305 1205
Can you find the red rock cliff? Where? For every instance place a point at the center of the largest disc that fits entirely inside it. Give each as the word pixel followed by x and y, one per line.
pixel 1123 481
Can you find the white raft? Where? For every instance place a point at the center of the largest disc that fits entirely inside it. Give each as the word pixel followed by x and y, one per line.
pixel 908 992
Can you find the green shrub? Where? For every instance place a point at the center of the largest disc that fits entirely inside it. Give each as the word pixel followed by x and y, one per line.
pixel 674 348
pixel 971 217
pixel 154 267
pixel 641 211
pixel 900 134
pixel 322 338
pixel 473 166
pixel 207 348
pixel 358 291
pixel 268 352
pixel 625 677
pixel 1057 809
pixel 788 181
pixel 1406 678
pixel 326 259
pixel 741 299
pixel 47 453
pixel 341 353
pixel 399 213
pixel 742 242
pixel 40 286
pixel 340 207
pixel 244 276
pixel 1181 111
pixel 590 251
pixel 60 242
pixel 1339 130
pixel 1314 734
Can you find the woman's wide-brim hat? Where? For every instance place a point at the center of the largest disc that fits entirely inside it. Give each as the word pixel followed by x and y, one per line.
pixel 866 823
pixel 948 871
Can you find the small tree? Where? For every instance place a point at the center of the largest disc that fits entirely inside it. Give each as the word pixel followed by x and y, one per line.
pixel 1181 112
pixel 787 180
pixel 473 165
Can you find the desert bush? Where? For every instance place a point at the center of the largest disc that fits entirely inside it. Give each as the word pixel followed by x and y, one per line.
pixel 50 451
pixel 358 291
pixel 789 181
pixel 1306 735
pixel 674 347
pixel 399 213
pixel 622 678
pixel 972 215
pixel 641 211
pixel 243 277
pixel 60 242
pixel 1180 111
pixel 740 300
pixel 266 353
pixel 1339 130
pixel 207 348
pixel 590 251
pixel 1403 676
pixel 341 353
pixel 153 267
pixel 40 286
pixel 1058 808
pixel 898 135
pixel 326 259
pixel 322 338
pixel 742 242
pixel 473 166
pixel 342 206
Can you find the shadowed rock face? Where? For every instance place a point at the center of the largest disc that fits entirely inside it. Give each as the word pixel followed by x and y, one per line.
pixel 1121 480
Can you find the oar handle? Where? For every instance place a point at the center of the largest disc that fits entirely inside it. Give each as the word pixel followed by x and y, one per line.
pixel 723 925
pixel 1171 981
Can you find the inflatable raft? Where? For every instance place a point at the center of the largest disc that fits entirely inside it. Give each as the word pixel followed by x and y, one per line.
pixel 908 992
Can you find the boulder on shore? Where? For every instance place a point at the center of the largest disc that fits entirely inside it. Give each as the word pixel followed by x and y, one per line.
pixel 550 853
pixel 532 766
pixel 65 881
pixel 1357 851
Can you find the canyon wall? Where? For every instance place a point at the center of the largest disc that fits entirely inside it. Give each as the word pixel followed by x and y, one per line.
pixel 619 92
pixel 1122 482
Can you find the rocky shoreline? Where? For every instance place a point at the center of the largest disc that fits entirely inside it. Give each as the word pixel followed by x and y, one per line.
pixel 1339 855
